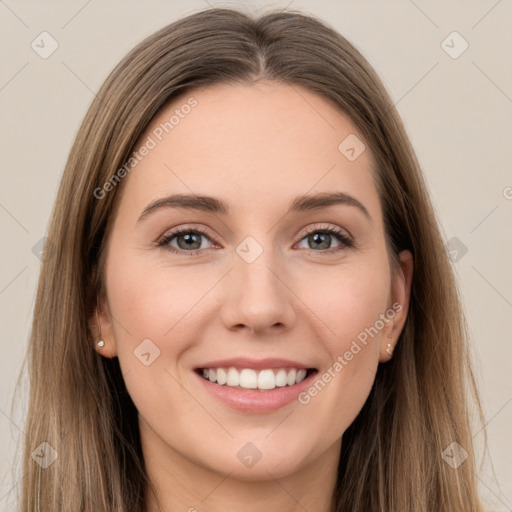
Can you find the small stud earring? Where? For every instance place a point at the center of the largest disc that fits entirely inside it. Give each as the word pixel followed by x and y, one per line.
pixel 100 343
pixel 389 350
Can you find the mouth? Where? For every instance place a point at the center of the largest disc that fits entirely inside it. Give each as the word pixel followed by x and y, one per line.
pixel 250 379
pixel 255 386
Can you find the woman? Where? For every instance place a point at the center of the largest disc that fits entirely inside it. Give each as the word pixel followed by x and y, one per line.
pixel 193 348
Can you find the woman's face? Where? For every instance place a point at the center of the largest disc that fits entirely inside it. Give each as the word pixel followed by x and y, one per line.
pixel 262 280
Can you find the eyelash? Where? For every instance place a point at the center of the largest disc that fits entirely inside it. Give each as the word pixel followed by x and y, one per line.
pixel 346 242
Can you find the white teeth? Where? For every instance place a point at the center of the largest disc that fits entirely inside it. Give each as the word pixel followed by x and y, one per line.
pixel 266 379
pixel 301 375
pixel 291 377
pixel 233 377
pixel 221 376
pixel 248 379
pixel 252 379
pixel 281 378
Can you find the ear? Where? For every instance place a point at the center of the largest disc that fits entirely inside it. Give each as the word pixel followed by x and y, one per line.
pixel 101 326
pixel 400 296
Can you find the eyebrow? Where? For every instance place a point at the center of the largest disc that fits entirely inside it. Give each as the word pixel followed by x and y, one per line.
pixel 304 203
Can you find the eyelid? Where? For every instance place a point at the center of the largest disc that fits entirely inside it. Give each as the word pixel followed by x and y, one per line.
pixel 326 227
pixel 344 237
pixel 196 228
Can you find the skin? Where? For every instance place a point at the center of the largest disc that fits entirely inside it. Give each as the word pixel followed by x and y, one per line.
pixel 256 148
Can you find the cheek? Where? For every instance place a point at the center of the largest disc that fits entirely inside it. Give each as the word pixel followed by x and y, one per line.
pixel 349 304
pixel 170 308
pixel 346 300
pixel 152 300
pixel 153 310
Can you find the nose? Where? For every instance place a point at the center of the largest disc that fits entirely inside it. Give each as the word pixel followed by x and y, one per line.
pixel 257 297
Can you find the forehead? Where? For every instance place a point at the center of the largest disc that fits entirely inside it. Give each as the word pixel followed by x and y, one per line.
pixel 267 142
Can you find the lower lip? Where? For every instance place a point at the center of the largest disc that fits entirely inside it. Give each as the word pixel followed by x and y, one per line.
pixel 256 401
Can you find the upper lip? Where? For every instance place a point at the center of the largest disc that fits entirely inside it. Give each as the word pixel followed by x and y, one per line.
pixel 257 364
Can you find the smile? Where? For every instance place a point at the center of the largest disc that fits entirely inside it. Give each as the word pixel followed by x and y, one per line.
pixel 248 378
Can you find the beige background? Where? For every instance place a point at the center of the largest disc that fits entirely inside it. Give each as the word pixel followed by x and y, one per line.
pixel 457 112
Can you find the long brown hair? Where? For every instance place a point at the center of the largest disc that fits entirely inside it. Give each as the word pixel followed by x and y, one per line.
pixel 391 459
